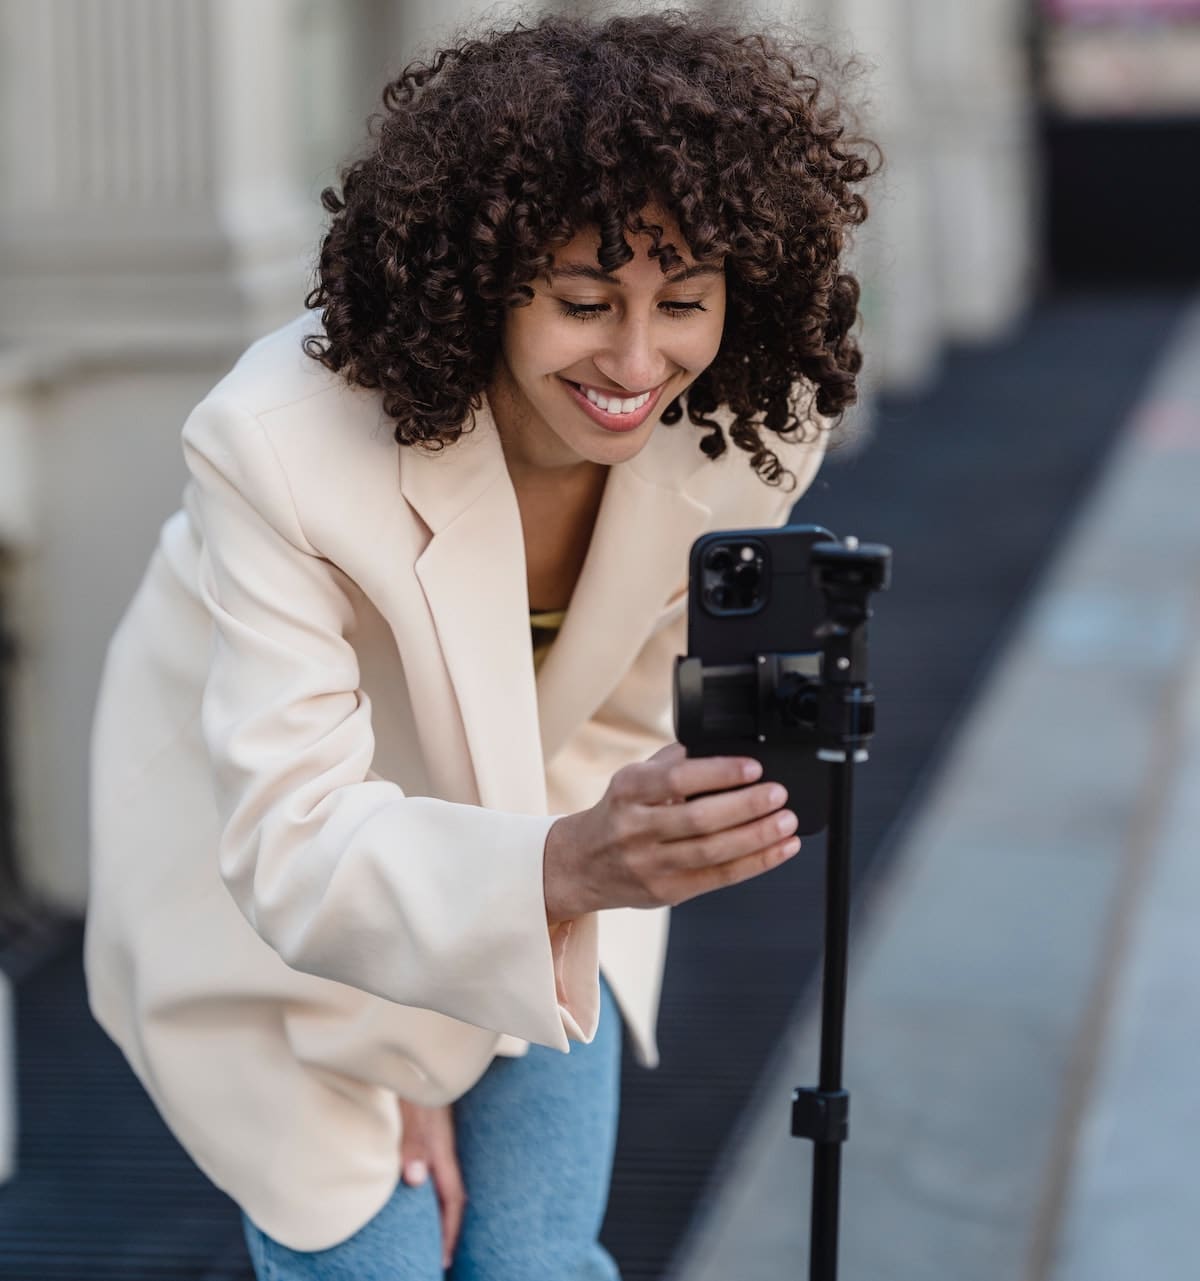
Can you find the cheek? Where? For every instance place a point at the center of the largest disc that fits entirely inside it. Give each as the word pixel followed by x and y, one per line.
pixel 540 346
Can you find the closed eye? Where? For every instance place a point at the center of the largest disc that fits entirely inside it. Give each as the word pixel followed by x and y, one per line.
pixel 589 311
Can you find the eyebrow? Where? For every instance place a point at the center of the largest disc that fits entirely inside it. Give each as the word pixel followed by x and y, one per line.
pixel 584 271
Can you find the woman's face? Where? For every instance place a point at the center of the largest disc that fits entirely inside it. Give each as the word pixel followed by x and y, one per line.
pixel 635 338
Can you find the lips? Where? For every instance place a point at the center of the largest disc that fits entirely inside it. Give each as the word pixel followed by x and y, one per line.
pixel 613 422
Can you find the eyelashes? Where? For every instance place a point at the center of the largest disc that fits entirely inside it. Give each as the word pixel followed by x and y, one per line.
pixel 592 311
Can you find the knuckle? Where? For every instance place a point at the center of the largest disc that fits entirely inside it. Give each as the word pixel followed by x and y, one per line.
pixel 692 821
pixel 624 827
pixel 675 781
pixel 706 849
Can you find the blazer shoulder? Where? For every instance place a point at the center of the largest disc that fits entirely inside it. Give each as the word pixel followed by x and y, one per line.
pixel 275 370
pixel 303 409
pixel 275 374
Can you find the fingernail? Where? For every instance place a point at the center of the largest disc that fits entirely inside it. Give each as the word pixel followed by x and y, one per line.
pixel 417 1172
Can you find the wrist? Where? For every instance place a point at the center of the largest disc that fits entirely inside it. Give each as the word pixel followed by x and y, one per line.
pixel 555 873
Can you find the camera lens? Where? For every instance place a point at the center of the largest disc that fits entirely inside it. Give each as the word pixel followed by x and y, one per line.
pixel 720 559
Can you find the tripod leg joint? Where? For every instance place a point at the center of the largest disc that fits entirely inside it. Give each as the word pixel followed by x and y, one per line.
pixel 821 1115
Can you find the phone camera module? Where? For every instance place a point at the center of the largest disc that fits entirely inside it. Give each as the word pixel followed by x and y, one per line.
pixel 734 579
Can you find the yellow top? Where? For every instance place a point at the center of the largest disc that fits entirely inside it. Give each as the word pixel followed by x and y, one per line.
pixel 544 625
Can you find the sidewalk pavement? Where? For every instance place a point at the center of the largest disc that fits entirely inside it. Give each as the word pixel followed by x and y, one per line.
pixel 1023 1030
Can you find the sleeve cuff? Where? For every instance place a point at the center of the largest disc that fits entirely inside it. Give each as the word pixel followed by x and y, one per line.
pixel 575 948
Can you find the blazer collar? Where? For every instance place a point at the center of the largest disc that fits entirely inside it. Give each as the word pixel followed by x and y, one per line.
pixel 473 575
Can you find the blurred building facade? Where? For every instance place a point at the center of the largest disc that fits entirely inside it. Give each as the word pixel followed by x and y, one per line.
pixel 161 165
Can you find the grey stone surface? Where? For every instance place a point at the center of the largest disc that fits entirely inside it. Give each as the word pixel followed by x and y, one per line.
pixel 976 984
pixel 1135 1204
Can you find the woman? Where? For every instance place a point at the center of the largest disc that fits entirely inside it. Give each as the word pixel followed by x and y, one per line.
pixel 387 818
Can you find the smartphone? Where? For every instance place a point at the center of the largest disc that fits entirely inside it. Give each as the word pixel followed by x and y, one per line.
pixel 753 617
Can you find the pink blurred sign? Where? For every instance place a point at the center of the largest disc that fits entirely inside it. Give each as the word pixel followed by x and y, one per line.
pixel 1069 9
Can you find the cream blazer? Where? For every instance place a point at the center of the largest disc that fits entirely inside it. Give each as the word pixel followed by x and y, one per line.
pixel 323 770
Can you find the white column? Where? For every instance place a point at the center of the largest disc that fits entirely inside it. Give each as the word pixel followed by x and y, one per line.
pixel 903 332
pixel 892 254
pixel 973 82
pixel 152 221
pixel 149 152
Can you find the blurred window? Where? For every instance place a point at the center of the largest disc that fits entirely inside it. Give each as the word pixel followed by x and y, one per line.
pixel 1122 58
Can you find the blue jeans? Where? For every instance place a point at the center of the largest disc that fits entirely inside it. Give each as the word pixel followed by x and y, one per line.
pixel 535 1141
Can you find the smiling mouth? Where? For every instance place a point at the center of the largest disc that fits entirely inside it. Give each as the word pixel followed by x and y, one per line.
pixel 619 397
pixel 617 419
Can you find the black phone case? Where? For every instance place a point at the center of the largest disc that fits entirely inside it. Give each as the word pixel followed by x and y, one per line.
pixel 786 622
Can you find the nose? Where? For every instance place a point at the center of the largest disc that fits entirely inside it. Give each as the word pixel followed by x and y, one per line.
pixel 632 358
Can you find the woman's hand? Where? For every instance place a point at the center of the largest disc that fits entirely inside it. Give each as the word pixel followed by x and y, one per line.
pixel 645 844
pixel 427 1147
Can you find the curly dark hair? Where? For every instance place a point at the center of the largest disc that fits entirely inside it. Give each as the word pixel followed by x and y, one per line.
pixel 499 149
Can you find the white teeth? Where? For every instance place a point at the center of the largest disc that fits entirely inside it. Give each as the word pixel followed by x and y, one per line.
pixel 614 406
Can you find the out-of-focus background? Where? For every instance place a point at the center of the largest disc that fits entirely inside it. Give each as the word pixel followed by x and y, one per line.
pixel 1024 1037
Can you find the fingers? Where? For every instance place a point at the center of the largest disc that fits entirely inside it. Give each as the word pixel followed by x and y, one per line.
pixel 427 1148
pixel 712 848
pixel 670 776
pixel 721 811
pixel 452 1197
pixel 693 882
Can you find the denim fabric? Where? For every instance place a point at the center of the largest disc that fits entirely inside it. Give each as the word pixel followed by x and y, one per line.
pixel 535 1142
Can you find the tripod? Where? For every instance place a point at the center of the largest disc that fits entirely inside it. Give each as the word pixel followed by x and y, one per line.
pixel 830 714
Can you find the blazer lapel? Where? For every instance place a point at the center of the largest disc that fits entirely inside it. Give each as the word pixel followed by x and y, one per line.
pixel 473 576
pixel 637 559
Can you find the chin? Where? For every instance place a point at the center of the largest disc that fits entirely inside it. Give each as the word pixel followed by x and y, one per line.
pixel 618 448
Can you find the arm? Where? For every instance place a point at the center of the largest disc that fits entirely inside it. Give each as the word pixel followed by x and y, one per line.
pixel 416 900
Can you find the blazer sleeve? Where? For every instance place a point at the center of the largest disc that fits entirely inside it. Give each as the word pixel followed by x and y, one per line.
pixel 420 901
